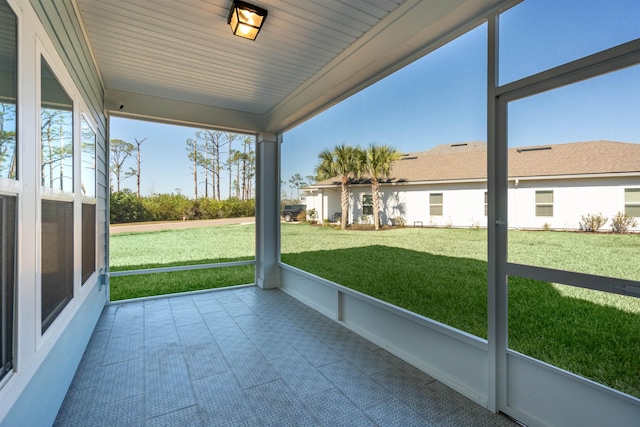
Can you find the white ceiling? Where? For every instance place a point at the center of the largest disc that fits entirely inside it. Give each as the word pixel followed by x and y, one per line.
pixel 178 60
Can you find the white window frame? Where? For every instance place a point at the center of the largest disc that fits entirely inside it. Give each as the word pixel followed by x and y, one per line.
pixel 544 204
pixel 435 205
pixel 633 204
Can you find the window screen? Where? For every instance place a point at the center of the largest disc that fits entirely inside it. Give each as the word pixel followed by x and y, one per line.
pixel 7 278
pixel 57 259
pixel 88 240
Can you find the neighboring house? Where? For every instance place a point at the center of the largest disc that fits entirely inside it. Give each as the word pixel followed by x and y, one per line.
pixel 549 186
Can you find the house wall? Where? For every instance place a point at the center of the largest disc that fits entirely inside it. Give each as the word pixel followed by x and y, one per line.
pixel 464 203
pixel 44 363
pixel 326 202
pixel 572 198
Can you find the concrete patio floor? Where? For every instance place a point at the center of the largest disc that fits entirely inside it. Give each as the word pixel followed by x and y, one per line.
pixel 248 357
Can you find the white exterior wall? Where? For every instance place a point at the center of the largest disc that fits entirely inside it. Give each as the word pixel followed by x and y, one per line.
pixel 572 198
pixel 325 201
pixel 462 207
pixel 463 203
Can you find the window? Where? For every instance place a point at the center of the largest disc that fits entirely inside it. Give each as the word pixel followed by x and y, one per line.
pixel 88 160
pixel 56 160
pixel 88 189
pixel 88 240
pixel 632 202
pixel 8 91
pixel 8 170
pixel 435 204
pixel 367 204
pixel 544 203
pixel 486 203
pixel 57 259
pixel 7 280
pixel 56 166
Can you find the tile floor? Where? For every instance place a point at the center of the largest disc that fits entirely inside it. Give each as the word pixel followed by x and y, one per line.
pixel 247 357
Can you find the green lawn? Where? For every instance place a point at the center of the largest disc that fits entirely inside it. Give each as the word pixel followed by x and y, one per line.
pixel 133 251
pixel 441 274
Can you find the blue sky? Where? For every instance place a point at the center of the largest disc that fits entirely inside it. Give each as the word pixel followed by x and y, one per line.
pixel 441 98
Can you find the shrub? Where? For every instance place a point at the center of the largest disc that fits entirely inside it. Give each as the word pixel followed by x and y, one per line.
pixel 232 208
pixel 593 223
pixel 302 216
pixel 364 219
pixel 167 207
pixel 194 211
pixel 326 222
pixel 313 215
pixel 621 223
pixel 546 226
pixel 399 221
pixel 127 207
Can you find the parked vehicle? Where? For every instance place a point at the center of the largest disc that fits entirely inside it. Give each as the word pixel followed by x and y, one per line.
pixel 291 212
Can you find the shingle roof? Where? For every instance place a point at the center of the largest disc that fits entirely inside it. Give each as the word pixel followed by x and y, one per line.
pixel 468 161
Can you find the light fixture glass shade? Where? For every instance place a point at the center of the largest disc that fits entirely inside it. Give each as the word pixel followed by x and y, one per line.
pixel 246 19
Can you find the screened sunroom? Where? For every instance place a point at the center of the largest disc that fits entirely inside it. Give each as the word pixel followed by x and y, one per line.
pixel 302 344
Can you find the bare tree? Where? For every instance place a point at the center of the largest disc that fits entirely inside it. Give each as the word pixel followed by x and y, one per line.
pixel 120 152
pixel 192 149
pixel 230 138
pixel 7 141
pixel 211 157
pixel 247 158
pixel 57 145
pixel 207 154
pixel 204 158
pixel 136 172
pixel 297 182
pixel 210 160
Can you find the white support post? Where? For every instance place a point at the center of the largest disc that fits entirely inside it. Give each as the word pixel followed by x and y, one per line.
pixel 497 228
pixel 267 210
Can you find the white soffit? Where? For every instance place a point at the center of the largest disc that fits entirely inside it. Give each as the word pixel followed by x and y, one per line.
pixel 309 54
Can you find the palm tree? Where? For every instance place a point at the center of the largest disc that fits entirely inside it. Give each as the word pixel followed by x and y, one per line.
pixel 342 162
pixel 376 162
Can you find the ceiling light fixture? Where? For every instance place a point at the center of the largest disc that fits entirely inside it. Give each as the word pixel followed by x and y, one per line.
pixel 246 19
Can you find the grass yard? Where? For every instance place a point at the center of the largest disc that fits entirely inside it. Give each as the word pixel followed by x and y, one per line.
pixel 442 274
pixel 133 251
pixel 438 273
pixel 146 285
